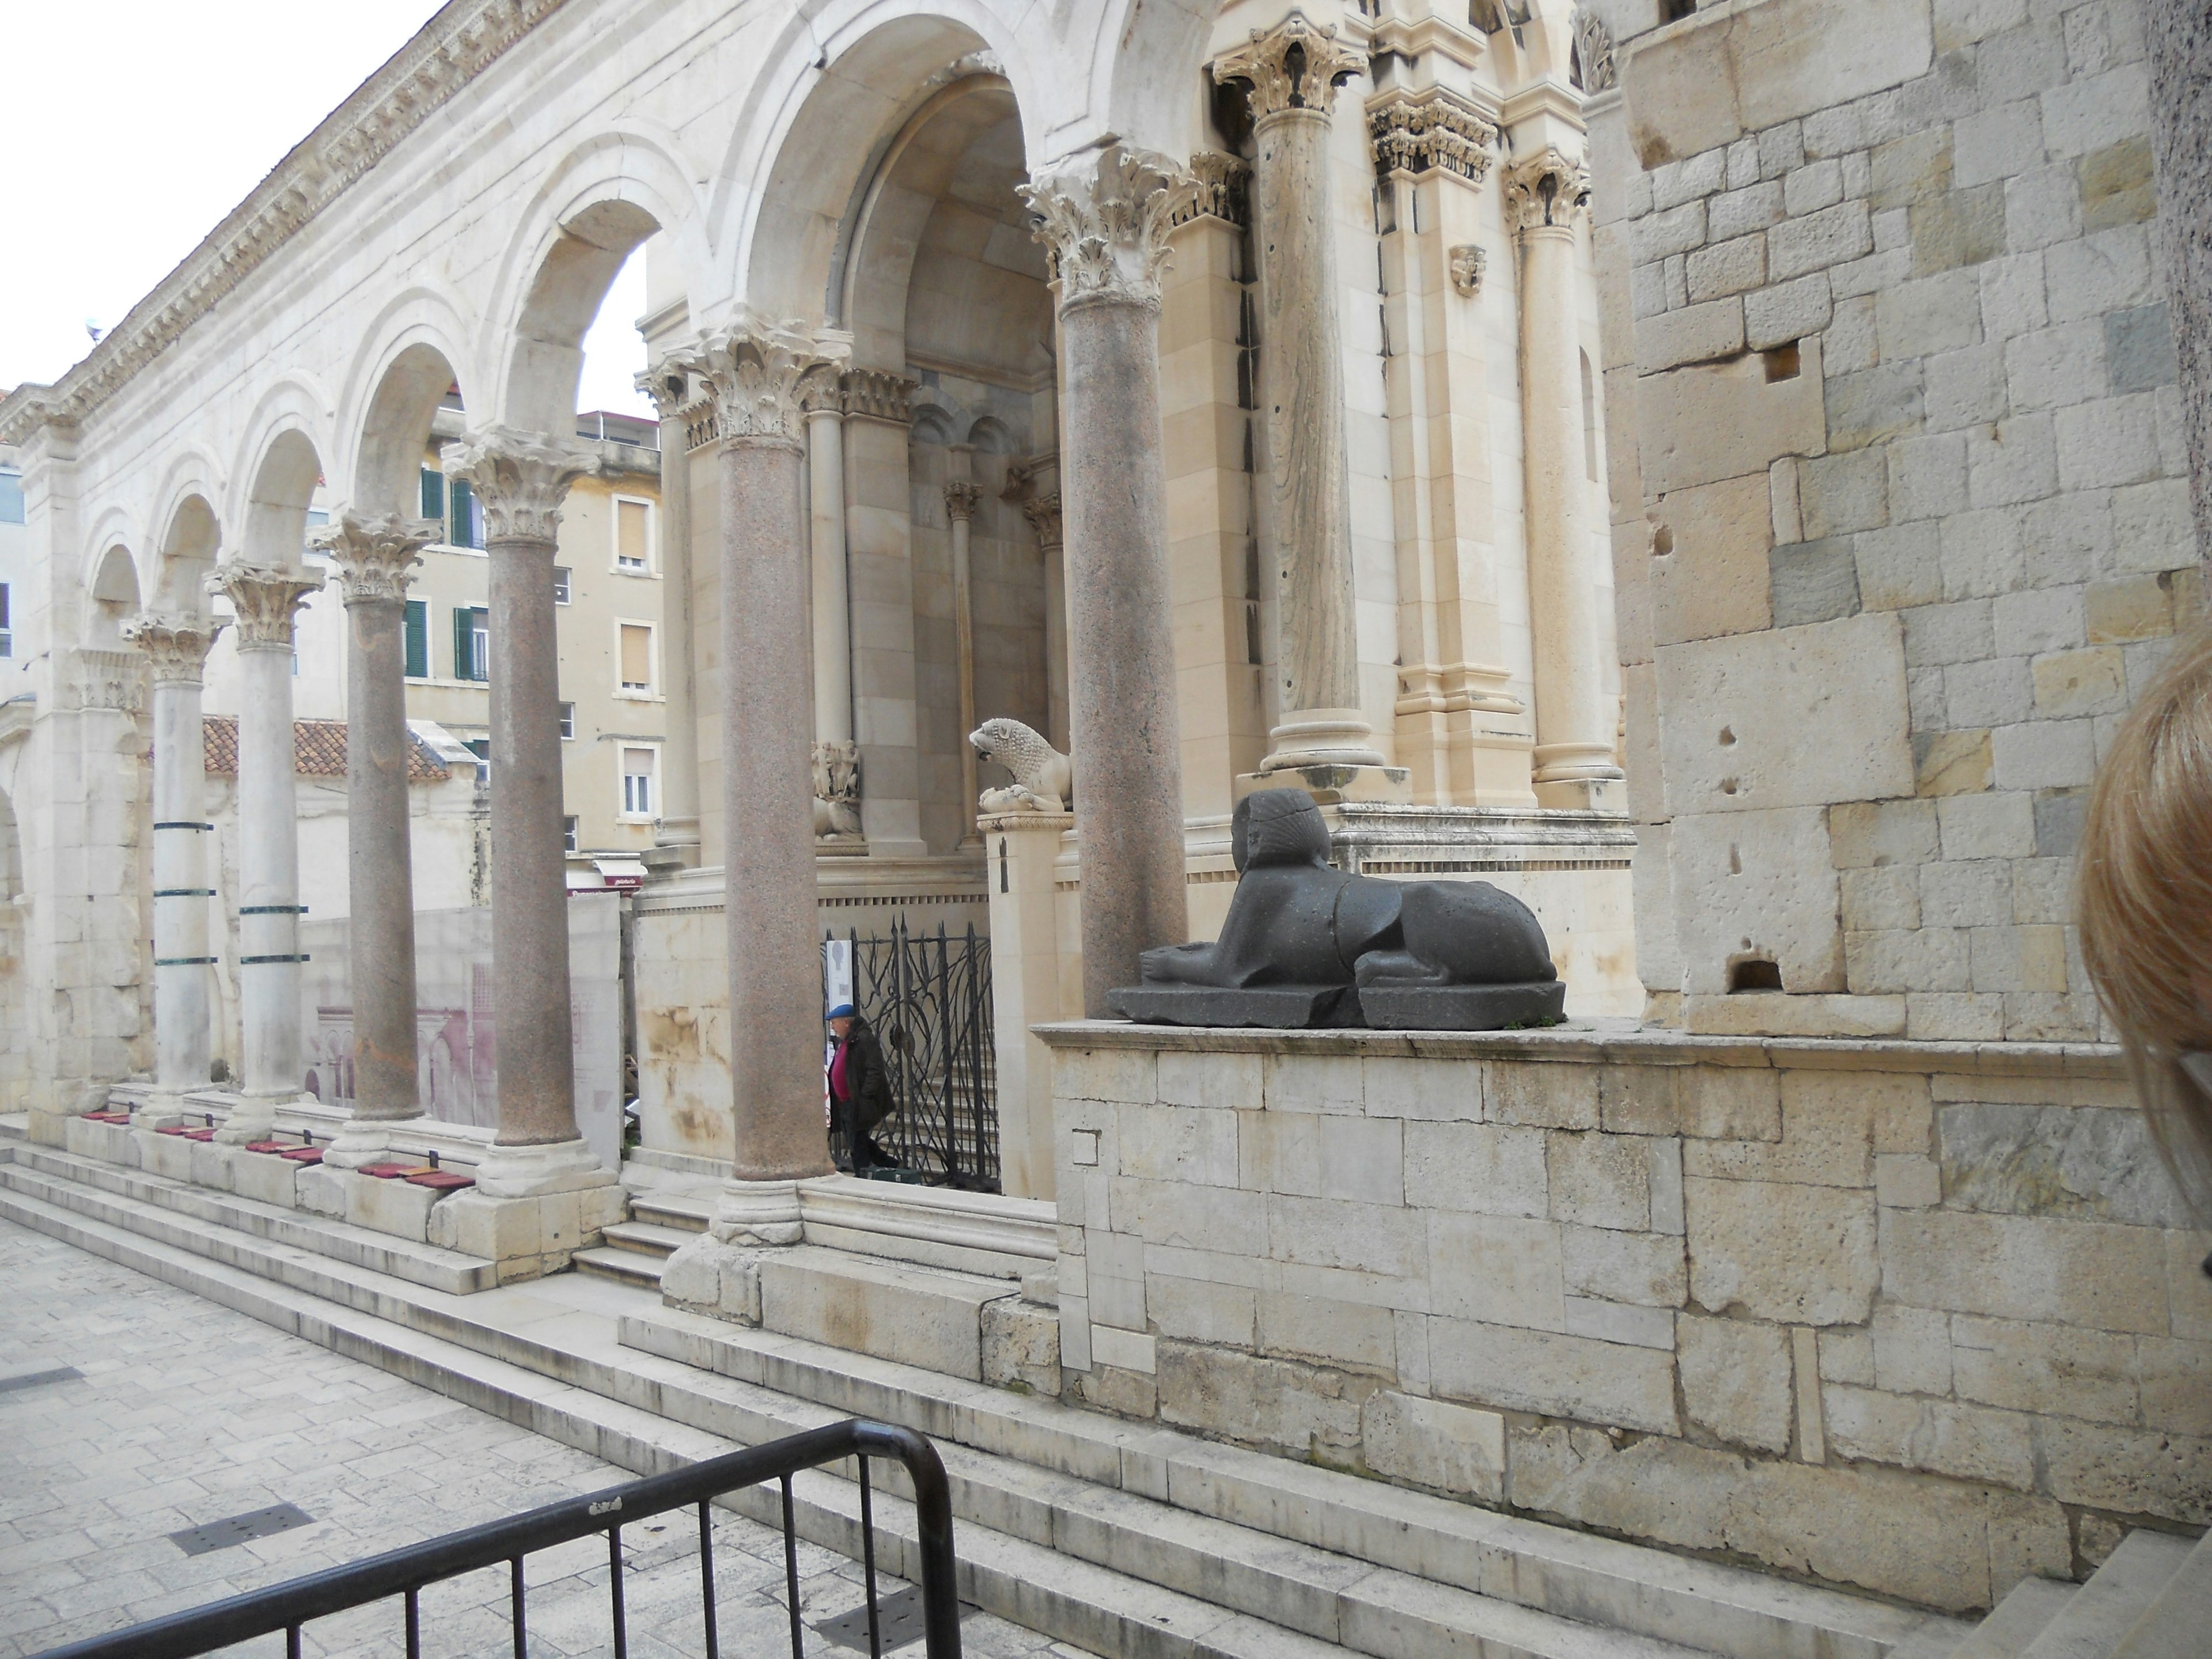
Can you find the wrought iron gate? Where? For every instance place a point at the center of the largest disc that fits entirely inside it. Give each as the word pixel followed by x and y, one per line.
pixel 928 997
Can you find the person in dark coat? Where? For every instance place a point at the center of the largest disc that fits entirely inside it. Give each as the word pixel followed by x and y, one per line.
pixel 860 1092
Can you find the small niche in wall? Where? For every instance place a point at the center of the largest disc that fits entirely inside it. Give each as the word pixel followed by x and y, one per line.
pixel 1674 11
pixel 1781 363
pixel 1754 974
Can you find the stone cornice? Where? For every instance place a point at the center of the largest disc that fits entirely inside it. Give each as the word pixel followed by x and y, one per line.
pixel 1417 133
pixel 1224 190
pixel 448 52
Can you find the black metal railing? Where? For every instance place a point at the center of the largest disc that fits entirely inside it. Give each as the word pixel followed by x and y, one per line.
pixel 404 1572
pixel 929 998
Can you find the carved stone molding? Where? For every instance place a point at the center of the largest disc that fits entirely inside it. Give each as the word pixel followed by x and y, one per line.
pixel 1594 51
pixel 266 599
pixel 1042 512
pixel 1033 485
pixel 110 679
pixel 1224 190
pixel 1434 129
pixel 821 389
pixel 1106 219
pixel 397 100
pixel 1546 189
pixel 669 387
pixel 375 553
pixel 754 369
pixel 1296 65
pixel 175 646
pixel 960 499
pixel 1467 264
pixel 521 477
pixel 874 395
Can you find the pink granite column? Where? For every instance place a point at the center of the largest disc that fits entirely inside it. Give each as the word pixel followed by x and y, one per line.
pixel 1105 217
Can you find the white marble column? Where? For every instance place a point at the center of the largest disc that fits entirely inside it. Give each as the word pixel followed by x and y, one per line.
pixel 755 369
pixel 1294 70
pixel 1105 217
pixel 266 599
pixel 678 828
pixel 374 554
pixel 961 494
pixel 1575 719
pixel 836 755
pixel 176 648
pixel 522 478
pixel 1035 485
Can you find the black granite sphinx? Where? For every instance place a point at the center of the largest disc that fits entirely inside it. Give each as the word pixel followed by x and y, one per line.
pixel 1306 945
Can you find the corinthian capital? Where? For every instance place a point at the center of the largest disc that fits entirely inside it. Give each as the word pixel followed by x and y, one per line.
pixel 1546 189
pixel 1296 64
pixel 1106 219
pixel 521 477
pixel 375 552
pixel 960 499
pixel 266 599
pixel 668 386
pixel 756 371
pixel 175 646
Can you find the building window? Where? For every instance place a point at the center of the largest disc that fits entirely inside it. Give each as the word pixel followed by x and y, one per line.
pixel 633 535
pixel 471 642
pixel 434 493
pixel 418 639
pixel 7 638
pixel 569 723
pixel 560 584
pixel 481 748
pixel 635 655
pixel 637 768
pixel 317 520
pixel 11 496
pixel 464 515
pixel 568 835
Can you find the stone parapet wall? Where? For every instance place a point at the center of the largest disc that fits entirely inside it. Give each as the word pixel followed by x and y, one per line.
pixel 1901 520
pixel 1913 1317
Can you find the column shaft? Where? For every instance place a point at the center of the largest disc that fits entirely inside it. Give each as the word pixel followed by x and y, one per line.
pixel 960 498
pixel 679 743
pixel 833 614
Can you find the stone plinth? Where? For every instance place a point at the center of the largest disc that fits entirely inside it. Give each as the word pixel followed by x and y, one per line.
pixel 1829 1305
pixel 1021 853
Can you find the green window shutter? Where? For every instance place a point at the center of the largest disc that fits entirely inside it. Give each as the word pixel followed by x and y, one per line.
pixel 418 640
pixel 463 643
pixel 463 532
pixel 434 495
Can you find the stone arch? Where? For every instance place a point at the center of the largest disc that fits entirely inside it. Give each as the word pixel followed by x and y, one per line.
pixel 276 516
pixel 413 355
pixel 114 595
pixel 291 417
pixel 603 201
pixel 991 436
pixel 934 424
pixel 189 546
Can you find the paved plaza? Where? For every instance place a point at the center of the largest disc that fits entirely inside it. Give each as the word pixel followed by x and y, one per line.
pixel 186 1412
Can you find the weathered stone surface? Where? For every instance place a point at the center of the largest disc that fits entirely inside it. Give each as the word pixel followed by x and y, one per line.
pixel 1800 1255
pixel 1758 886
pixel 2055 1161
pixel 1649 1268
pixel 1934 1435
pixel 1709 421
pixel 1307 1411
pixel 1559 1376
pixel 2074 1272
pixel 1021 1346
pixel 1735 1380
pixel 1427 1443
pixel 1497 1269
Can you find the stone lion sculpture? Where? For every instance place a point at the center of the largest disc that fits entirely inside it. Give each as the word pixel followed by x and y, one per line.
pixel 1307 944
pixel 1044 779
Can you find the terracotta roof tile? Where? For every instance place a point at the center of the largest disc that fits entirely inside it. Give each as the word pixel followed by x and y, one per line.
pixel 318 750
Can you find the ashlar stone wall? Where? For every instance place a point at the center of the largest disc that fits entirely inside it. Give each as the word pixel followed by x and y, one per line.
pixel 1901 522
pixel 1917 1318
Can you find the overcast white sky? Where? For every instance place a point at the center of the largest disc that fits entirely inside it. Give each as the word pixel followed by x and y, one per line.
pixel 139 124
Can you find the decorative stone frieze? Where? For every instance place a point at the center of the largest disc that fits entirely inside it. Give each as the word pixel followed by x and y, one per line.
pixel 175 646
pixel 266 599
pixel 1468 262
pixel 874 395
pixel 1594 51
pixel 376 553
pixel 1297 64
pixel 111 679
pixel 1432 131
pixel 521 477
pixel 1224 190
pixel 1546 189
pixel 754 368
pixel 960 498
pixel 1105 221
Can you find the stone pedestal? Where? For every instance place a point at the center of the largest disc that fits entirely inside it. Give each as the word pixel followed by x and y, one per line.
pixel 265 601
pixel 1575 759
pixel 1105 218
pixel 775 1034
pixel 374 554
pixel 1020 851
pixel 176 648
pixel 522 478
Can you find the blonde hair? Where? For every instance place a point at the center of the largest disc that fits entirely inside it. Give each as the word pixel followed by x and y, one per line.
pixel 2145 876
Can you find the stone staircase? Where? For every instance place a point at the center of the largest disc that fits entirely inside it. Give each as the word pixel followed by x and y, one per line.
pixel 661 1222
pixel 1126 1539
pixel 2151 1599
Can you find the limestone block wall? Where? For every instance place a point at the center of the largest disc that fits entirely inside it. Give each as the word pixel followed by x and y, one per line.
pixel 1900 517
pixel 1917 1318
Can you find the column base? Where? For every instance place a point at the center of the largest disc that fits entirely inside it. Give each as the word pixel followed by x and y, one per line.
pixel 1321 736
pixel 531 1171
pixel 366 1141
pixel 528 1237
pixel 758 1214
pixel 1579 775
pixel 160 1108
pixel 1331 784
pixel 254 1117
pixel 713 1277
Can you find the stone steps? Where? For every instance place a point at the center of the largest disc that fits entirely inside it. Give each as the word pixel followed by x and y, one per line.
pixel 633 1251
pixel 2174 1626
pixel 649 1238
pixel 2099 1615
pixel 618 1262
pixel 2018 1619
pixel 1297 1554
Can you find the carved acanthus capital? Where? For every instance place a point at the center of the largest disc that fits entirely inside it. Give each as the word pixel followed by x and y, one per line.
pixel 754 368
pixel 1106 220
pixel 1546 189
pixel 1033 483
pixel 960 499
pixel 1224 190
pixel 521 477
pixel 175 646
pixel 1296 65
pixel 1594 51
pixel 1468 264
pixel 1416 133
pixel 669 387
pixel 822 391
pixel 375 552
pixel 875 395
pixel 1043 511
pixel 266 599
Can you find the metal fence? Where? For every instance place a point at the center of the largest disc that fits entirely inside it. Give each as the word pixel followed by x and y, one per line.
pixel 929 998
pixel 404 1573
